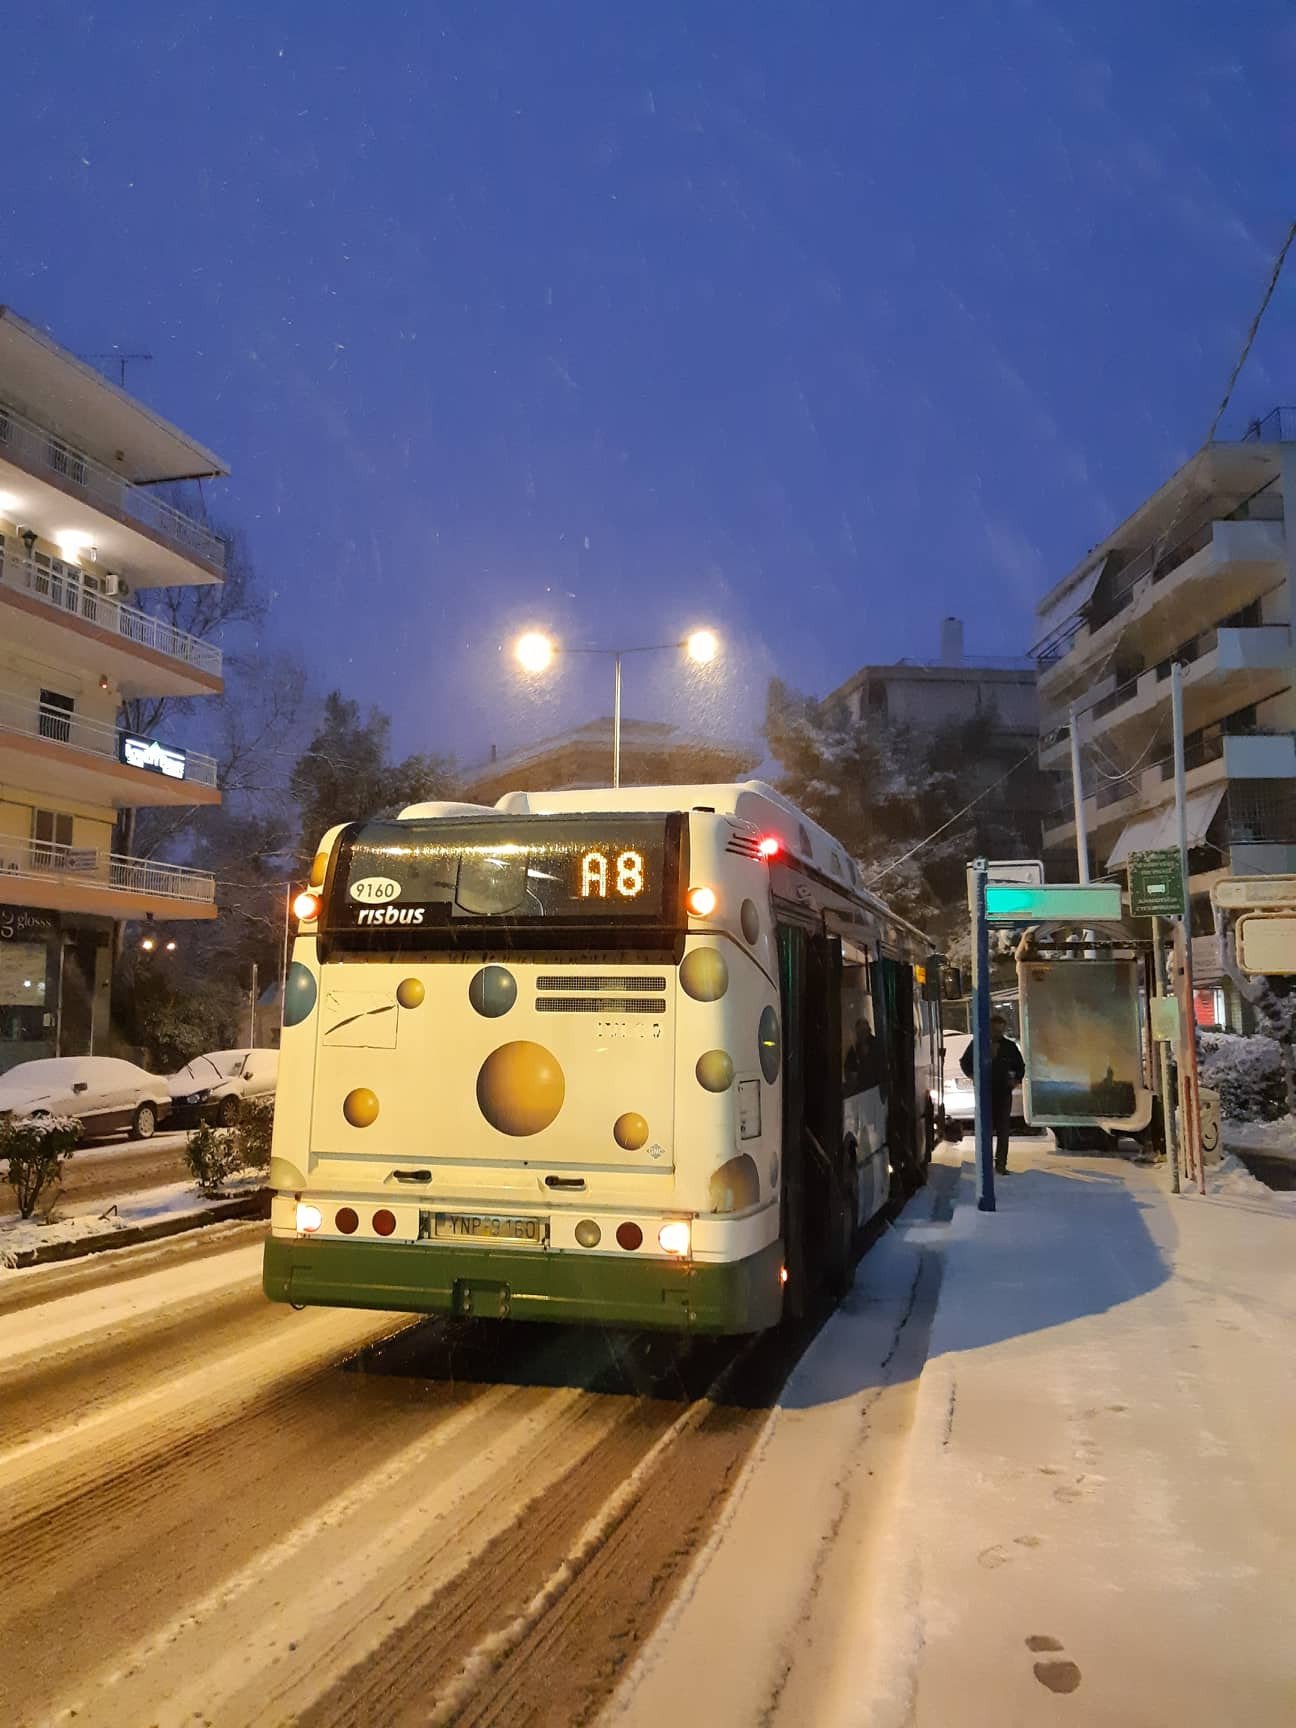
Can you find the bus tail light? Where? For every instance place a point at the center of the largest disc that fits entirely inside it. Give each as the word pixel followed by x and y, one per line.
pixel 701 902
pixel 384 1222
pixel 770 846
pixel 674 1237
pixel 629 1236
pixel 306 907
pixel 309 1218
pixel 347 1220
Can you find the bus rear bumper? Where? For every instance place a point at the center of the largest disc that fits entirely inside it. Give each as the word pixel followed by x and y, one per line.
pixel 493 1283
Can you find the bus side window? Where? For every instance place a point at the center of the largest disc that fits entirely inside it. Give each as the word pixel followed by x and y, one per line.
pixel 862 1062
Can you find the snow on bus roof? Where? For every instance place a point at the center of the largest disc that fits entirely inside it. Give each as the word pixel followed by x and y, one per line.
pixel 752 802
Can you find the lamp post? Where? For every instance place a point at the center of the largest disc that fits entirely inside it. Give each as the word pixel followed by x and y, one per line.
pixel 535 652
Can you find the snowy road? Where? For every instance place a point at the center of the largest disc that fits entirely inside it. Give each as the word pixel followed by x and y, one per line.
pixel 217 1510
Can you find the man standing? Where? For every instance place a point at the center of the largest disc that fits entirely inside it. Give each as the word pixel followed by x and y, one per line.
pixel 1007 1069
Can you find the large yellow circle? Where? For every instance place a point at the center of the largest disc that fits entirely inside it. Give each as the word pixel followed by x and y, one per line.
pixel 410 992
pixel 715 1070
pixel 703 975
pixel 520 1088
pixel 630 1131
pixel 360 1107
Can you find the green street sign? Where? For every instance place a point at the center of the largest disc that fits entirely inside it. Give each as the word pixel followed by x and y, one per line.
pixel 1156 884
pixel 1053 903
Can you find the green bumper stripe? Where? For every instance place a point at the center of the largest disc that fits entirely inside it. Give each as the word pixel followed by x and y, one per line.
pixel 522 1284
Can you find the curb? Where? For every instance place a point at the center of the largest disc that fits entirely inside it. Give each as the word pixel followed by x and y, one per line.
pixel 246 1206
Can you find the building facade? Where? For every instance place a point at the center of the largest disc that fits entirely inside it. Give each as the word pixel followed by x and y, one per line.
pixel 653 753
pixel 1202 573
pixel 929 695
pixel 83 535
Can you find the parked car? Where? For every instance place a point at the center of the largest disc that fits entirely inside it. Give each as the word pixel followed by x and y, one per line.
pixel 960 1101
pixel 107 1095
pixel 210 1087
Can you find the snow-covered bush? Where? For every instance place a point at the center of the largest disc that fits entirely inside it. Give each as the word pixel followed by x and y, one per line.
pixel 1247 1074
pixel 215 1154
pixel 212 1157
pixel 34 1149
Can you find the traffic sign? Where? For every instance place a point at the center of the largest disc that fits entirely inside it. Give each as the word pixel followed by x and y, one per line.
pixel 1054 903
pixel 1266 944
pixel 1025 870
pixel 1243 892
pixel 1156 883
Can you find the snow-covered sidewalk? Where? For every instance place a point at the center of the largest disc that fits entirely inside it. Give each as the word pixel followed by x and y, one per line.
pixel 1082 1507
pixel 90 1224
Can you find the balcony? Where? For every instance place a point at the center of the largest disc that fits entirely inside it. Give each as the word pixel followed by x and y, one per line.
pixel 79 759
pixel 61 472
pixel 87 880
pixel 145 655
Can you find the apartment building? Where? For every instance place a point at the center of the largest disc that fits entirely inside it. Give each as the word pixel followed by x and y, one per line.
pixel 84 537
pixel 1203 573
pixel 927 695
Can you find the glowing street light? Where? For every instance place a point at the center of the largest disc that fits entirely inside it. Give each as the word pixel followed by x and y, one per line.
pixel 535 651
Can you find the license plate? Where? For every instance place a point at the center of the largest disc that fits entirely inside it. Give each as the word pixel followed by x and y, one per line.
pixel 490 1227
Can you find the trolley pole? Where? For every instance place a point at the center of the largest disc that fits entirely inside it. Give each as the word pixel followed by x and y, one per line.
pixel 1163 1062
pixel 616 723
pixel 981 1042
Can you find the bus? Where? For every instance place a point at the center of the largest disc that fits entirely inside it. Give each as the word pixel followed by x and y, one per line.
pixel 651 1057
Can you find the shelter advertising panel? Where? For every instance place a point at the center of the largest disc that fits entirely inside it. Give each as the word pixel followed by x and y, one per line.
pixel 1082 1042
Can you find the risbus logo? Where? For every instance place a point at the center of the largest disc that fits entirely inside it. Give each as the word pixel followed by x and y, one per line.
pixel 390 915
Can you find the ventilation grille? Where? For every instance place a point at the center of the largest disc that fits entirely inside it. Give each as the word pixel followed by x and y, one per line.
pixel 743 845
pixel 612 1005
pixel 598 981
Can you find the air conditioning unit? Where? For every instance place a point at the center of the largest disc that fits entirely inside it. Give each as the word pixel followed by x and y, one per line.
pixel 114 584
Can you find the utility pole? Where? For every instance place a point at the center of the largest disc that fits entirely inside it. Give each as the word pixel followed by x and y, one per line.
pixel 252 1017
pixel 616 725
pixel 1163 1059
pixel 1077 797
pixel 1188 1080
pixel 981 1041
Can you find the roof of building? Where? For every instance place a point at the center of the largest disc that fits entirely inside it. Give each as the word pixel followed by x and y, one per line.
pixel 582 755
pixel 68 396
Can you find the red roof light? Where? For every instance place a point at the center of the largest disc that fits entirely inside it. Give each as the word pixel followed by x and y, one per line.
pixel 770 846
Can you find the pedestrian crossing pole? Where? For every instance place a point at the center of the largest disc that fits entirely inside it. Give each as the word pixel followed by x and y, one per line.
pixel 981 1041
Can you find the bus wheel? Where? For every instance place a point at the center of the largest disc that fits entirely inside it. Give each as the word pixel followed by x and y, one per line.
pixel 843 1226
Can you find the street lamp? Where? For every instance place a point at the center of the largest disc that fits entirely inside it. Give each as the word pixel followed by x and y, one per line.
pixel 535 651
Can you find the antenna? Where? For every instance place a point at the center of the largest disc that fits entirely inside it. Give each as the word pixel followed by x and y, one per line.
pixel 121 360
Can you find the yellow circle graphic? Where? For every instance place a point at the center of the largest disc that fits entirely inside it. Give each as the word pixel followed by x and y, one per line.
pixel 360 1107
pixel 703 975
pixel 630 1131
pixel 715 1070
pixel 520 1088
pixel 410 993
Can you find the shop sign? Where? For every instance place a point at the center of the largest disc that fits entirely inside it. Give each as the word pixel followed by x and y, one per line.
pixel 26 923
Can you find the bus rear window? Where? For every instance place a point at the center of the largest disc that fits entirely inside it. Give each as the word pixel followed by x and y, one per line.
pixel 456 878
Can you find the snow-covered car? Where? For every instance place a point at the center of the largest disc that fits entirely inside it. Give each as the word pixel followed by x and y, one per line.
pixel 960 1101
pixel 210 1087
pixel 104 1093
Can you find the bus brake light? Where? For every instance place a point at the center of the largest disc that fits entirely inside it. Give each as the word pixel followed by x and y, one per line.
pixel 770 846
pixel 702 902
pixel 306 907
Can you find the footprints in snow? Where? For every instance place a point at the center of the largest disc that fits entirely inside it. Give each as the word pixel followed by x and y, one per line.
pixel 999 1554
pixel 1056 1672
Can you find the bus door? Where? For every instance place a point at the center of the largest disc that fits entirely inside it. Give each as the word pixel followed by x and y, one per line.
pixel 894 1003
pixel 810 977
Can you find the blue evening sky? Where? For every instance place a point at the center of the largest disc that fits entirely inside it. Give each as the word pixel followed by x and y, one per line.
pixel 812 321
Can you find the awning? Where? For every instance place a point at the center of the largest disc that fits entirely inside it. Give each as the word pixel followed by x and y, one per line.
pixel 1054 617
pixel 1160 829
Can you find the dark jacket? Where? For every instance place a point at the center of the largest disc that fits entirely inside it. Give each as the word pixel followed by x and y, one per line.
pixel 1007 1069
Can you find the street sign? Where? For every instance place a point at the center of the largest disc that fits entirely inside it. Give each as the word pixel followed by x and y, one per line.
pixel 1242 892
pixel 1023 870
pixel 1057 903
pixel 1156 884
pixel 1266 944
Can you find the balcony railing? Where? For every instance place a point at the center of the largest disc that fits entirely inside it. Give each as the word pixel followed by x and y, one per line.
pixel 87 866
pixel 80 735
pixel 64 588
pixel 43 452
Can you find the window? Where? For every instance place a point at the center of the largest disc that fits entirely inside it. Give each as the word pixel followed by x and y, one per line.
pixel 51 830
pixel 862 1062
pixel 56 715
